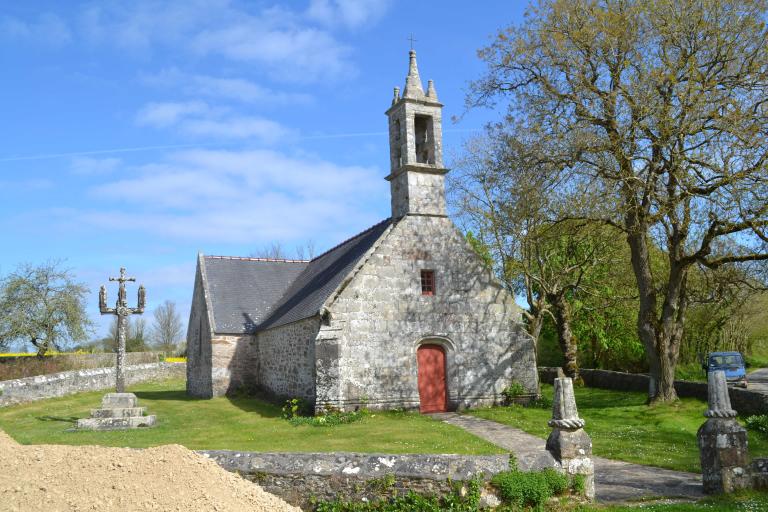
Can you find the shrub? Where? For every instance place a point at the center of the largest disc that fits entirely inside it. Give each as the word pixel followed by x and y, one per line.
pixel 533 489
pixel 294 407
pixel 579 484
pixel 514 390
pixel 456 501
pixel 298 412
pixel 758 423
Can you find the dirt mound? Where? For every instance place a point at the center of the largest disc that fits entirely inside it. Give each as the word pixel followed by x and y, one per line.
pixel 76 478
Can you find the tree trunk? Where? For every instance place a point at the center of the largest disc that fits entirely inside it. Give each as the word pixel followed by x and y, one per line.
pixel 659 331
pixel 562 313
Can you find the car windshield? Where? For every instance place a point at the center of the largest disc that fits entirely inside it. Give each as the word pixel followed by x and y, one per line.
pixel 726 360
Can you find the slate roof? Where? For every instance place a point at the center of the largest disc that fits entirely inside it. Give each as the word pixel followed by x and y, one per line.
pixel 251 294
pixel 242 291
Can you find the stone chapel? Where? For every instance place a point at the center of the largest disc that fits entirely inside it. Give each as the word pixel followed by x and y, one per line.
pixel 402 315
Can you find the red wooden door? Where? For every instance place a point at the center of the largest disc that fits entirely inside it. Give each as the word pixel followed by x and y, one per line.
pixel 432 390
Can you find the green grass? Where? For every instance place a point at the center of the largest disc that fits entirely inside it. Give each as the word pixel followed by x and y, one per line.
pixel 243 423
pixel 622 427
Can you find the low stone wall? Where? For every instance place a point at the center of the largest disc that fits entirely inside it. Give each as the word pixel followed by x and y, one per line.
pixel 99 360
pixel 76 381
pixel 299 478
pixel 744 401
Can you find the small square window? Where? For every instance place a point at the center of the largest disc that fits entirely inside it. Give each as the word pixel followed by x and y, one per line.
pixel 427 282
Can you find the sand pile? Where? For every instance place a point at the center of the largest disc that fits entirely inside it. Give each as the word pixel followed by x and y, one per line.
pixel 173 478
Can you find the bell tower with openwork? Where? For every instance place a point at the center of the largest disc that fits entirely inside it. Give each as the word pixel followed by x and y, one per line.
pixel 417 175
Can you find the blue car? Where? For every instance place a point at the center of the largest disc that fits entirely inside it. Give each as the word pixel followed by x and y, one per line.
pixel 731 363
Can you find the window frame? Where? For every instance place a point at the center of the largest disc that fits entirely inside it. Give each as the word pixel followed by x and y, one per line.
pixel 428 282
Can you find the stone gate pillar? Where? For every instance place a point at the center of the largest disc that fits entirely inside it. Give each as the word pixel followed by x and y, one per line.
pixel 722 442
pixel 568 443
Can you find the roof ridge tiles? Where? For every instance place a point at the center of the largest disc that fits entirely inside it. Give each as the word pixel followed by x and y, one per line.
pixel 246 258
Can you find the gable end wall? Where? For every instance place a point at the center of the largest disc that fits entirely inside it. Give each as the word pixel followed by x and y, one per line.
pixel 381 317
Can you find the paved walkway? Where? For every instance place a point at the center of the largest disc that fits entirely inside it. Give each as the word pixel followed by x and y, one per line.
pixel 615 481
pixel 758 380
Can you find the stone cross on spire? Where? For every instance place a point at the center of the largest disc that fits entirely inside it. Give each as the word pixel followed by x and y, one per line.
pixel 122 311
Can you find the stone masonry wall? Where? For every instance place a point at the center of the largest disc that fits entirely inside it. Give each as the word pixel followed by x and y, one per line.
pixel 382 317
pixel 199 383
pixel 299 477
pixel 287 359
pixel 234 363
pixel 66 383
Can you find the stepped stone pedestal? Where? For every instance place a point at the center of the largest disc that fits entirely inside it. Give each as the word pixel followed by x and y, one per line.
pixel 118 411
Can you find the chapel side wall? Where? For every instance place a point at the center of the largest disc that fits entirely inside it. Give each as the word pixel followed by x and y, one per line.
pixel 234 363
pixel 199 383
pixel 287 359
pixel 382 316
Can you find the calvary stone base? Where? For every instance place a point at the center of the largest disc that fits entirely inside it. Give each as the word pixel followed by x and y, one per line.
pixel 118 411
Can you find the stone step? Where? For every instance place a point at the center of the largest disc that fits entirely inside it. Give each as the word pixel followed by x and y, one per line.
pixel 116 423
pixel 119 401
pixel 118 412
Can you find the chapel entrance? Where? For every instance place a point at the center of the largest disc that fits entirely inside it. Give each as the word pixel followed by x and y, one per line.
pixel 432 389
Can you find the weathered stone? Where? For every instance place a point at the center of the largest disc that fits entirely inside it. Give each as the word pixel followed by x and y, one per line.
pixel 102 423
pixel 118 412
pixel 568 443
pixel 300 477
pixel 722 441
pixel 118 400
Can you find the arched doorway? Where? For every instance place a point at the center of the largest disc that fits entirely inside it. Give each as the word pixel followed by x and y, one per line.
pixel 433 395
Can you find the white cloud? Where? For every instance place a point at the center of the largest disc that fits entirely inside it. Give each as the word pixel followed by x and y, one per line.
pixel 350 13
pixel 281 42
pixel 91 166
pixel 238 196
pixel 162 115
pixel 238 89
pixel 48 29
pixel 198 119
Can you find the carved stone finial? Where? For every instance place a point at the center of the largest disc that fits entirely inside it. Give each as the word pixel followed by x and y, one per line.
pixel 431 92
pixel 396 96
pixel 564 412
pixel 719 401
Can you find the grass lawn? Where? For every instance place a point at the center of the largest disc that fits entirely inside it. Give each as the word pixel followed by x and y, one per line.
pixel 622 427
pixel 243 424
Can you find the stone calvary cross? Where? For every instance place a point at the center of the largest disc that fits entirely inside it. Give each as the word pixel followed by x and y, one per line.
pixel 122 311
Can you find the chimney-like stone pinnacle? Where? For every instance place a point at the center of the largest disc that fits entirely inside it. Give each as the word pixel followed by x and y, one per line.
pixel 413 87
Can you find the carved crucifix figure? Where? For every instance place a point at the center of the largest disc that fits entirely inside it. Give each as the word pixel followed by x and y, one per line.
pixel 122 311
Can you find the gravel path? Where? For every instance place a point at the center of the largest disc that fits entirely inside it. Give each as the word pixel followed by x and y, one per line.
pixel 615 481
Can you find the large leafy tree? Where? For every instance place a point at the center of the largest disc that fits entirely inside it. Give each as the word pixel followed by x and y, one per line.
pixel 659 108
pixel 44 306
pixel 502 197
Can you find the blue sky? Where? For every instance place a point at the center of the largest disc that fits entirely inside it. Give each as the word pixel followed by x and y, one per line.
pixel 139 133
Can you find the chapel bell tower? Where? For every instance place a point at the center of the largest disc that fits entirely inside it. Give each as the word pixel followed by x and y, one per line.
pixel 417 175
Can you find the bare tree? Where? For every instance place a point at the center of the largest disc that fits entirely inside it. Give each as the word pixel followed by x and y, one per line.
pixel 167 327
pixel 273 251
pixel 43 305
pixel 659 108
pixel 276 251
